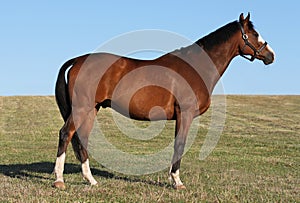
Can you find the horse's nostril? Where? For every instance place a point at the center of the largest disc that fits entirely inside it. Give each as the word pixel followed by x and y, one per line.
pixel 270 56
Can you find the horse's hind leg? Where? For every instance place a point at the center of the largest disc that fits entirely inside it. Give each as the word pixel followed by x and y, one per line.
pixel 78 133
pixel 65 135
pixel 82 155
pixel 84 132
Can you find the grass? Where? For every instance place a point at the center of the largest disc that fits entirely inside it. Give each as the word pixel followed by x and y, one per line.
pixel 257 158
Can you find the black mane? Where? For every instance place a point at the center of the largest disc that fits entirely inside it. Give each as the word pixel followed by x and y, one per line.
pixel 221 35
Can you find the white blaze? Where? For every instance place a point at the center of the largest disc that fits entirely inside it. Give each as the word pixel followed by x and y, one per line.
pixel 261 40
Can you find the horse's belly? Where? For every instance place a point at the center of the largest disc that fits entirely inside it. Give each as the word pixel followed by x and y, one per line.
pixel 148 103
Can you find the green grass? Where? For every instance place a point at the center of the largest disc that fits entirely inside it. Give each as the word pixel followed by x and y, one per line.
pixel 257 158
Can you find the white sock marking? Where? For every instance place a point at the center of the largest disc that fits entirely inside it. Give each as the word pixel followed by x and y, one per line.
pixel 59 167
pixel 176 179
pixel 87 174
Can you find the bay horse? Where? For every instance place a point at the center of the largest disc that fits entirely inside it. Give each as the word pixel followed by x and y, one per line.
pixel 185 78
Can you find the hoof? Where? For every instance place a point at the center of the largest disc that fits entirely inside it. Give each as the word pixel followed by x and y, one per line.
pixel 179 187
pixel 93 184
pixel 59 184
pixel 92 181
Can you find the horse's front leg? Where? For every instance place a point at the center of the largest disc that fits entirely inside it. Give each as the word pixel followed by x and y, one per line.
pixel 183 123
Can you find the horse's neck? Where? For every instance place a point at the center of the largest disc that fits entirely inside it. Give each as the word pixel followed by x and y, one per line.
pixel 221 57
pixel 223 54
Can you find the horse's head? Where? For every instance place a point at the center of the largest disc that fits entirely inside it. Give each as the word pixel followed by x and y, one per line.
pixel 251 43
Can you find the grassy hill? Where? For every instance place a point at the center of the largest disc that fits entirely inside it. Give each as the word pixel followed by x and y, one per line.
pixel 257 158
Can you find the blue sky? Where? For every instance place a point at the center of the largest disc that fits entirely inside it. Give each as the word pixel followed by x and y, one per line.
pixel 37 37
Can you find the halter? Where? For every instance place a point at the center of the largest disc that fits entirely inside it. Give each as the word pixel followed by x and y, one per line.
pixel 247 43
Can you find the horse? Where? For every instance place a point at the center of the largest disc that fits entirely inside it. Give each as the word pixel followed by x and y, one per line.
pixel 186 78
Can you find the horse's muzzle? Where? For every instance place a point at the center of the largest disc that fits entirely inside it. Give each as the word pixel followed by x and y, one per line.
pixel 269 58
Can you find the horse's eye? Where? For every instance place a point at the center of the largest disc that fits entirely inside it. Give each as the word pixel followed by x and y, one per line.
pixel 256 34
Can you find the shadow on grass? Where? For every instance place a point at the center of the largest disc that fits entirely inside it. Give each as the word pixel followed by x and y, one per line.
pixel 33 170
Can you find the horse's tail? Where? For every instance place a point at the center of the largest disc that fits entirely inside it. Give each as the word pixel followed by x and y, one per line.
pixel 61 91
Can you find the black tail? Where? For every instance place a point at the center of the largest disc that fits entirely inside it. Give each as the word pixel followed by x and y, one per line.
pixel 61 91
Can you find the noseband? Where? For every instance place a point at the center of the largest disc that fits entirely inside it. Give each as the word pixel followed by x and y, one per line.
pixel 247 43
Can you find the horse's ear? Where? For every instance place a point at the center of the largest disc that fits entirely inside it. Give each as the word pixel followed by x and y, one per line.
pixel 242 18
pixel 248 17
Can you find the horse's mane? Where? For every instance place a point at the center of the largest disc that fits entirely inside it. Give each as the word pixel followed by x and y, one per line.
pixel 221 35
